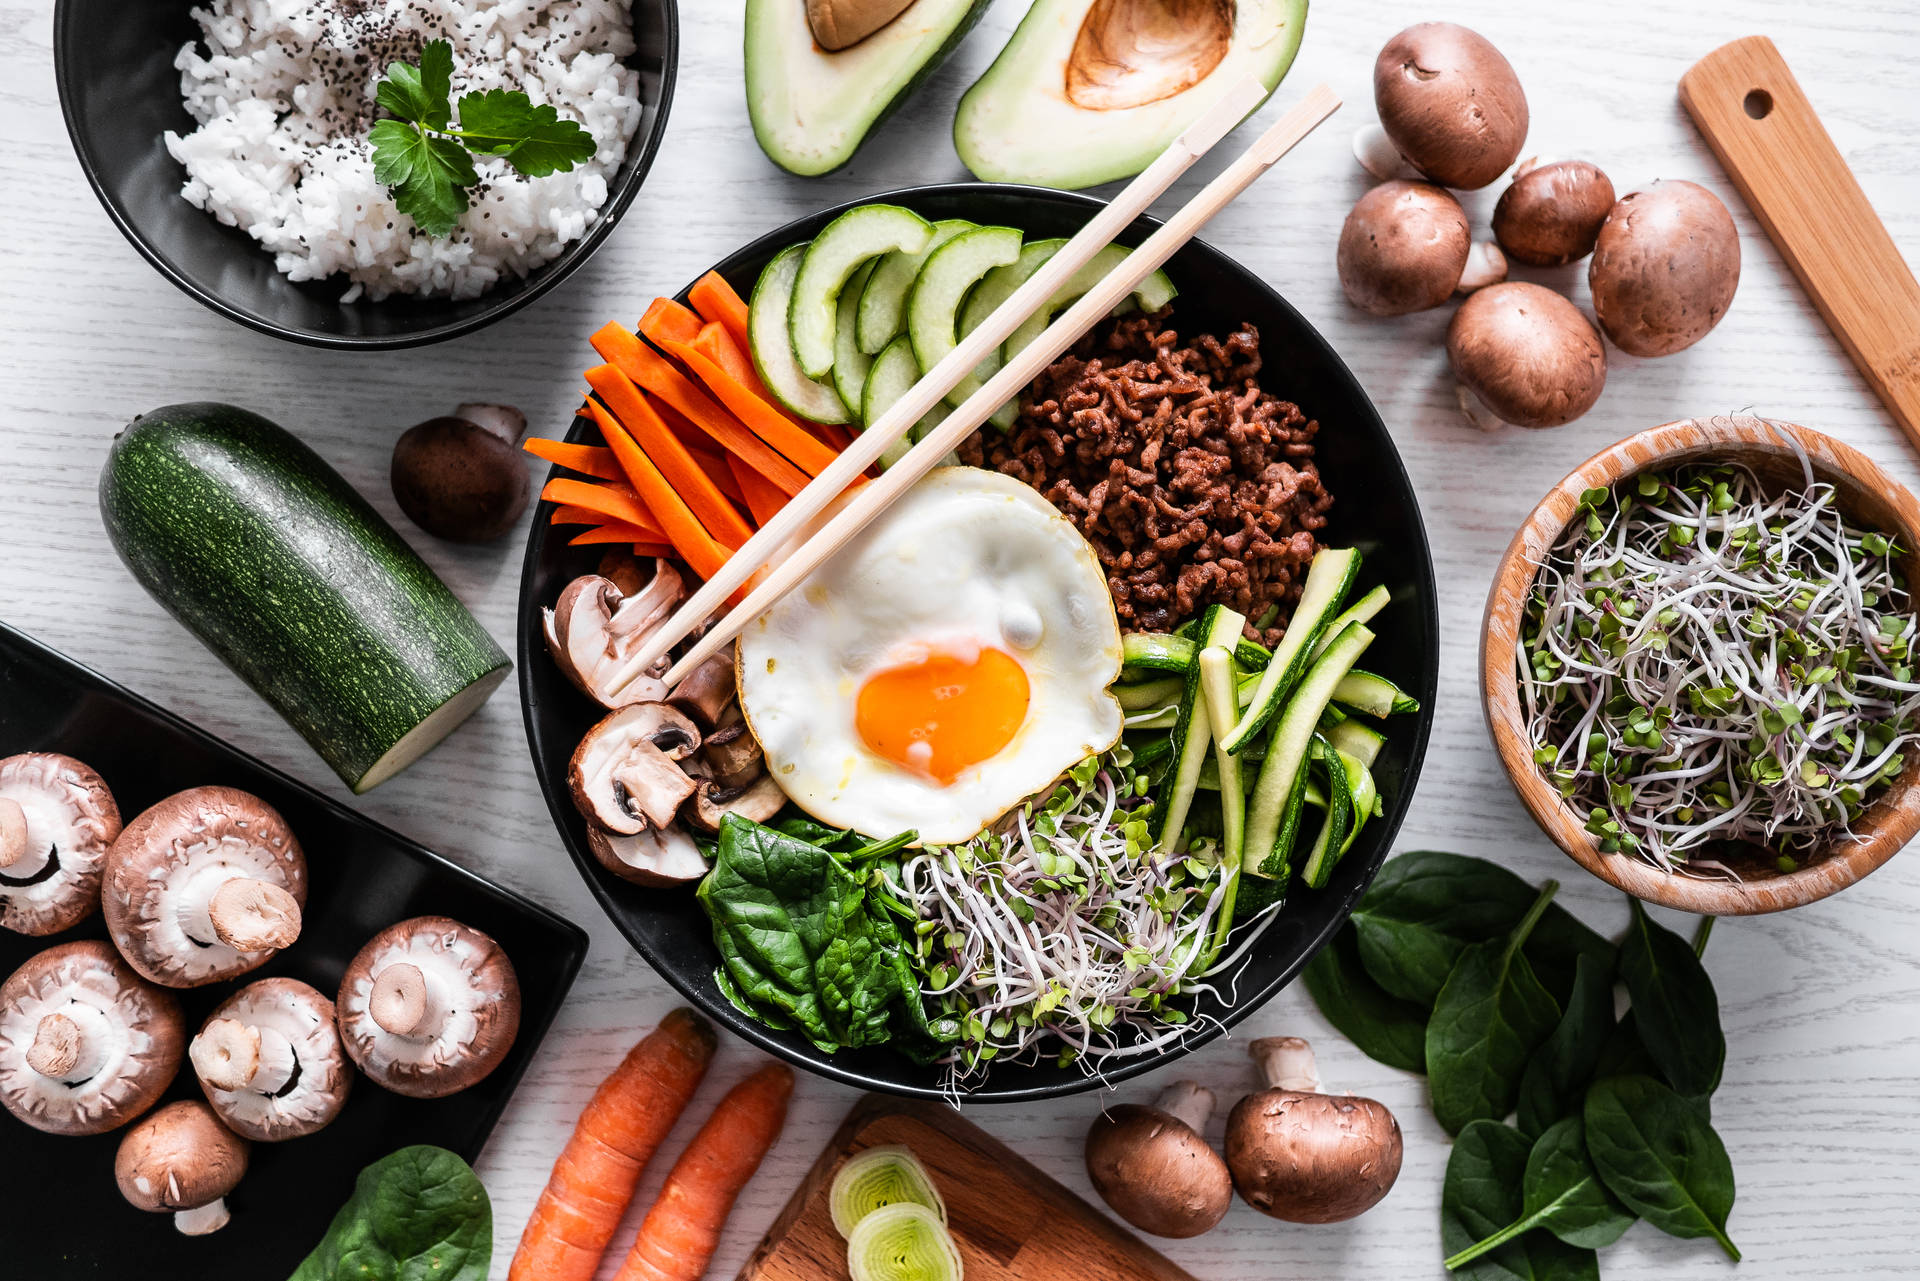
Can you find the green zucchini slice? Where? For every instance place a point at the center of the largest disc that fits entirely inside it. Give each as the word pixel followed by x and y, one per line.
pixel 850 364
pixel 949 273
pixel 835 254
pixel 1328 580
pixel 768 335
pixel 1151 294
pixel 883 303
pixel 1282 774
pixel 1374 695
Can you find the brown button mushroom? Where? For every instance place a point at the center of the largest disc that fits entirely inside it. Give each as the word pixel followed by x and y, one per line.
pixel 270 1062
pixel 1665 268
pixel 759 800
pixel 204 886
pixel 625 774
pixel 1304 1156
pixel 429 1007
pixel 596 626
pixel 706 691
pixel 1524 355
pixel 181 1159
pixel 657 858
pixel 1153 1167
pixel 57 820
pixel 86 1044
pixel 1403 248
pixel 1552 213
pixel 1451 104
pixel 841 24
pixel 461 478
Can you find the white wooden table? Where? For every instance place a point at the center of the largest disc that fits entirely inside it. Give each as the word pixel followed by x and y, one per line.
pixel 1821 1105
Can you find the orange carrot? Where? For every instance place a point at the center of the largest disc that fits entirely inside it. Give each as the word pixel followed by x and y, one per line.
pixel 654 373
pixel 762 497
pixel 690 483
pixel 589 460
pixel 715 465
pixel 666 318
pixel 684 530
pixel 628 1116
pixel 617 501
pixel 682 426
pixel 567 514
pixel 614 532
pixel 761 418
pixel 678 1236
pixel 716 300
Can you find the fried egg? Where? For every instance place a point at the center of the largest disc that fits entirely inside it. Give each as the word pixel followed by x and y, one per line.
pixel 946 664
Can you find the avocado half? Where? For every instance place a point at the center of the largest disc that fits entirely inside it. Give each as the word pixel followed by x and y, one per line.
pixel 811 108
pixel 1088 91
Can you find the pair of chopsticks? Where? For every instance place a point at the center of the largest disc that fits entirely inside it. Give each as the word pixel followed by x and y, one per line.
pixel 875 497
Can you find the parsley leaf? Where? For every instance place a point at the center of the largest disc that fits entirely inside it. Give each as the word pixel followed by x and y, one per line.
pixel 533 139
pixel 427 175
pixel 421 94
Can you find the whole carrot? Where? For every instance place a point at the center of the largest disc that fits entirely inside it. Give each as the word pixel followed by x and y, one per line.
pixel 596 1173
pixel 678 1236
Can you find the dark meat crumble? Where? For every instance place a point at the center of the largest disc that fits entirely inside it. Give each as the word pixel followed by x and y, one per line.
pixel 1193 484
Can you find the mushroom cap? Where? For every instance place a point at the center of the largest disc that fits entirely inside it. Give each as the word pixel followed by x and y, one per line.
pixel 625 775
pixel 163 868
pixel 1665 268
pixel 1451 103
pixel 758 800
pixel 459 480
pixel 179 1158
pixel 52 882
pixel 1402 248
pixel 1156 1172
pixel 656 858
pixel 1528 353
pixel 468 1016
pixel 321 1078
pixel 597 623
pixel 1312 1158
pixel 124 1033
pixel 1551 214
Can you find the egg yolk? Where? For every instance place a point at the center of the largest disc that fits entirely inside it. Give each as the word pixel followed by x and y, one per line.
pixel 941 714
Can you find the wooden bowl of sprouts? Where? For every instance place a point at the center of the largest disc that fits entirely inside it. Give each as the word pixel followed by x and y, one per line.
pixel 1701 665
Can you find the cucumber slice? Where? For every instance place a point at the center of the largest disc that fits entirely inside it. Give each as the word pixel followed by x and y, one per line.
pixel 1157 286
pixel 894 372
pixel 1216 687
pixel 1361 611
pixel 994 289
pixel 835 254
pixel 1332 841
pixel 1148 694
pixel 1374 695
pixel 850 364
pixel 950 271
pixel 1282 773
pixel 1328 580
pixel 773 350
pixel 883 303
pixel 1361 742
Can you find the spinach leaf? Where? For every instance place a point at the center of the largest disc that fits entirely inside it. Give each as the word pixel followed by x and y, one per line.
pixel 1385 1029
pixel 1482 1194
pixel 1556 947
pixel 1659 1155
pixel 417 1212
pixel 1675 1010
pixel 1490 1017
pixel 1557 1075
pixel 1559 1192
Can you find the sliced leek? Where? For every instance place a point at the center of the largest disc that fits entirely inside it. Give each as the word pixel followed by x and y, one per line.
pixel 903 1242
pixel 889 1174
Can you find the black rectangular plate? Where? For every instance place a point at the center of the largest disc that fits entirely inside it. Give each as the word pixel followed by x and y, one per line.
pixel 65 1217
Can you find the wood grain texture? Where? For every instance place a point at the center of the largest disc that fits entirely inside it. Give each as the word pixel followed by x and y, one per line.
pixel 1868 496
pixel 1821 1105
pixel 1011 1222
pixel 1768 136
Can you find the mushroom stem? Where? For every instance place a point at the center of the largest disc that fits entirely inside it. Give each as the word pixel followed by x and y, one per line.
pixel 70 1046
pixel 254 916
pixel 1286 1063
pixel 1378 156
pixel 226 1054
pixel 1189 1102
pixel 400 1003
pixel 13 832
pixel 202 1219
pixel 1486 265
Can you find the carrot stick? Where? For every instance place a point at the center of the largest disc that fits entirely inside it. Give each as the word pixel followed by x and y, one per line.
pixel 623 349
pixel 666 318
pixel 691 435
pixel 715 465
pixel 678 1236
pixel 589 460
pixel 690 483
pixel 717 345
pixel 568 514
pixel 622 1125
pixel 762 496
pixel 762 419
pixel 716 300
pixel 614 532
pixel 683 528
pixel 616 501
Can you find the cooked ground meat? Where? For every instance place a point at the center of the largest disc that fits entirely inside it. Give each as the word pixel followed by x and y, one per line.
pixel 1194 485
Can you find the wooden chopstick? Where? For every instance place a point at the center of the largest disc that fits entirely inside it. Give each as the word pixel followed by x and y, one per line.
pixel 772 538
pixel 874 498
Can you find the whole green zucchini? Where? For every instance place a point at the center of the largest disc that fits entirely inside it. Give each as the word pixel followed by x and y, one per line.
pixel 268 556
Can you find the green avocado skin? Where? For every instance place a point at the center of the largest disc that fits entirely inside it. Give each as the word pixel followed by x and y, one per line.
pixel 267 555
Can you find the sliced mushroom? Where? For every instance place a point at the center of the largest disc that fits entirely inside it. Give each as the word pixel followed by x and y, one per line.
pixel 1524 355
pixel 841 24
pixel 759 801
pixel 270 1062
pixel 1451 103
pixel 1552 213
pixel 595 628
pixel 704 693
pixel 86 1044
pixel 623 774
pixel 1664 268
pixel 657 858
pixel 1304 1156
pixel 204 886
pixel 1403 248
pixel 181 1159
pixel 428 1007
pixel 57 820
pixel 1153 1167
pixel 731 752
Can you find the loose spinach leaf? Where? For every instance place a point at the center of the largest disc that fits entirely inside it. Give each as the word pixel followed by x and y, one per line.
pixel 1659 1155
pixel 419 1212
pixel 1483 1194
pixel 1675 1010
pixel 1489 1018
pixel 1557 1075
pixel 1561 1193
pixel 1385 1029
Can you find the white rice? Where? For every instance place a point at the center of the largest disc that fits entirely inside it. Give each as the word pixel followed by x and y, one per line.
pixel 283 91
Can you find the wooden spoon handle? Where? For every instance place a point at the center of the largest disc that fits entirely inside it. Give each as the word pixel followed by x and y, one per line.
pixel 1772 144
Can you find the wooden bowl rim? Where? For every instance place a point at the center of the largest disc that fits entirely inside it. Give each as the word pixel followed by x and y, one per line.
pixel 1893 819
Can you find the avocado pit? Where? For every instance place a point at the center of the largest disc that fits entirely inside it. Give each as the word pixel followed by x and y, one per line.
pixel 1133 52
pixel 841 24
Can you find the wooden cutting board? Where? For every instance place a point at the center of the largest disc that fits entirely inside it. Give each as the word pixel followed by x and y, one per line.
pixel 1011 1222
